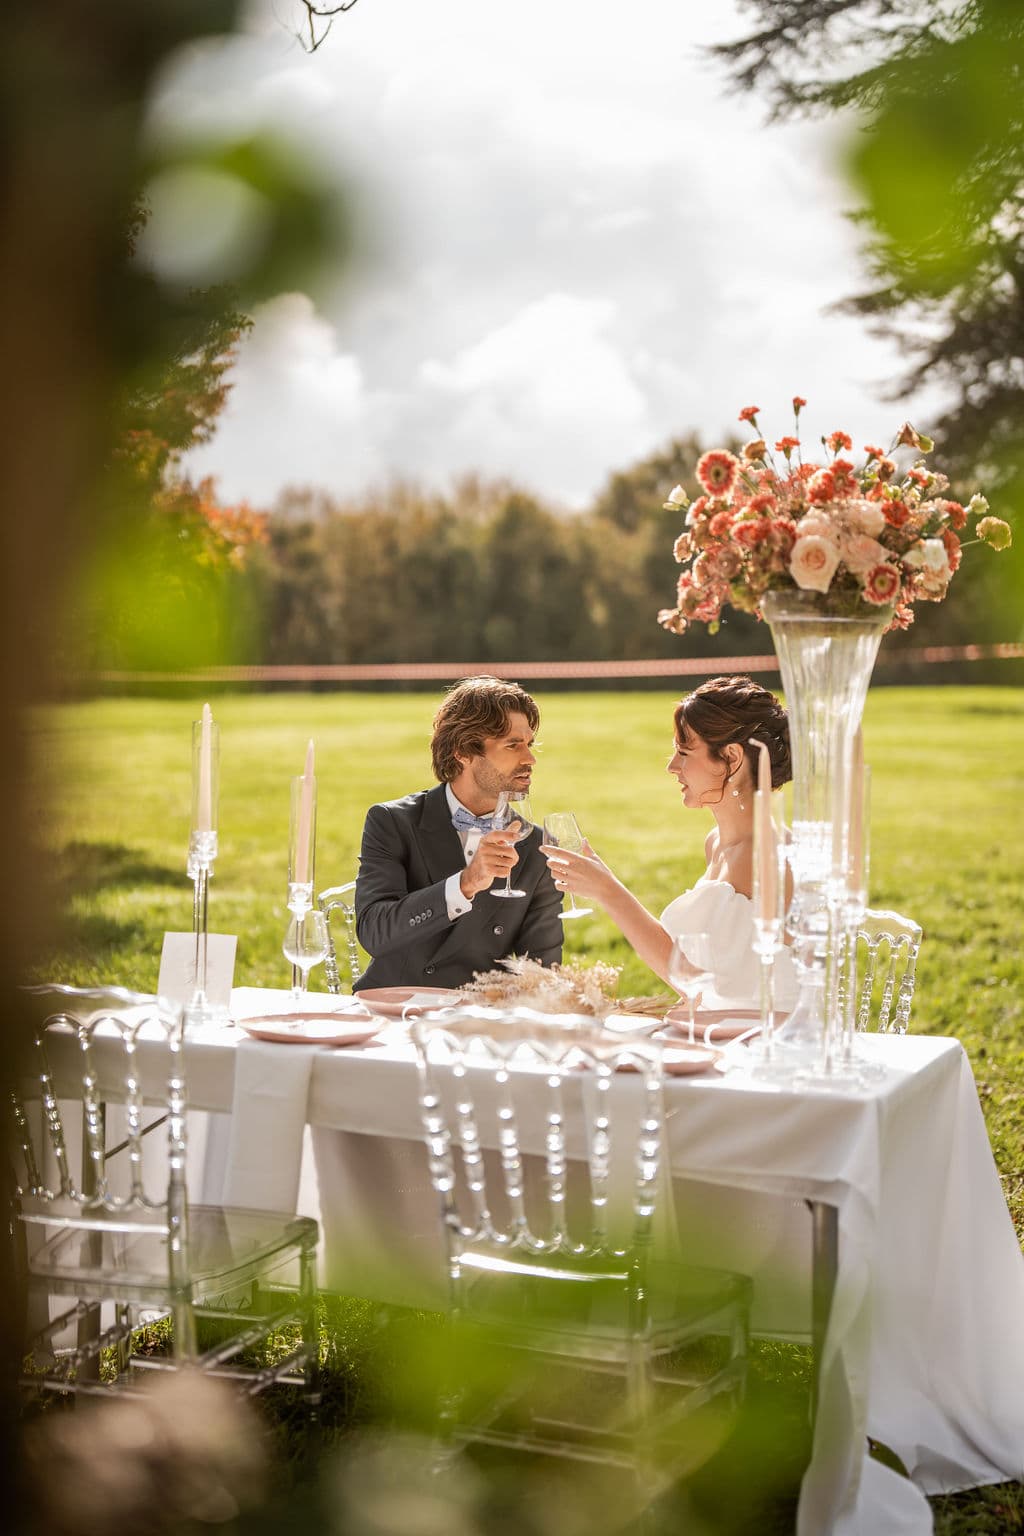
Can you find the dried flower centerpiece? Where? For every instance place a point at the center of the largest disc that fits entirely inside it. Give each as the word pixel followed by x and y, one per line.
pixel 865 537
pixel 568 988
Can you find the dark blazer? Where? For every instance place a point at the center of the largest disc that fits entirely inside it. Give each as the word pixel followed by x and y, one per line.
pixel 409 849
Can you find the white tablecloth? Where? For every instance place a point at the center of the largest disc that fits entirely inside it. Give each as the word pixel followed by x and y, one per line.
pixel 925 1345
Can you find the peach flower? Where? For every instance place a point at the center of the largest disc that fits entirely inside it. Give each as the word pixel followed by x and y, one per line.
pixel 813 562
pixel 860 552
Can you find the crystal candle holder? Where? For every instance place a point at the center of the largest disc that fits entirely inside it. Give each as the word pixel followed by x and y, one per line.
pixel 202 852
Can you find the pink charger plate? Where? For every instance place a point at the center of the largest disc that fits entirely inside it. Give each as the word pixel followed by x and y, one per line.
pixel 313 1028
pixel 722 1024
pixel 394 1002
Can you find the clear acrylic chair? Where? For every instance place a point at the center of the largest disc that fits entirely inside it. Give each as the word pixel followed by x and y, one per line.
pixel 340 898
pixel 888 946
pixel 119 1241
pixel 630 1342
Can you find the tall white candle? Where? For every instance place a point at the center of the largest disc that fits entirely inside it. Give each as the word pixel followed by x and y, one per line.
pixel 767 866
pixel 302 871
pixel 204 799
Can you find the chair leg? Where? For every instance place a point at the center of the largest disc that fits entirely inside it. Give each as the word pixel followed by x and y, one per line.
pixel 310 1333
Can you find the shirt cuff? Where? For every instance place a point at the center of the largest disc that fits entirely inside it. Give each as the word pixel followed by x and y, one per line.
pixel 458 904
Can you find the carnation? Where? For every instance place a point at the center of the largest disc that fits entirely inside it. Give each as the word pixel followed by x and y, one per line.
pixel 717 472
pixel 881 584
pixel 992 530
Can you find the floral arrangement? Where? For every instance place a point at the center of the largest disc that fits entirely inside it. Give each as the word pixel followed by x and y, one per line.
pixel 875 535
pixel 568 988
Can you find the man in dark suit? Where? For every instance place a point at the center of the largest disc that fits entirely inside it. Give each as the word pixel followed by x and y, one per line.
pixel 424 911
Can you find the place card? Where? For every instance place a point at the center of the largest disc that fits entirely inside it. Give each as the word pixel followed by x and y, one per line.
pixel 178 968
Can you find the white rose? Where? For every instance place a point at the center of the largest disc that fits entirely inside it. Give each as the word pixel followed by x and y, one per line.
pixel 935 557
pixel 868 518
pixel 977 505
pixel 813 562
pixel 817 525
pixel 677 497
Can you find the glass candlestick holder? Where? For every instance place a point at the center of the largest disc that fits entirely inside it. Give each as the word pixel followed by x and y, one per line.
pixel 202 852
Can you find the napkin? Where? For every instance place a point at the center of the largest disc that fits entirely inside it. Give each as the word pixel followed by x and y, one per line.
pixel 268 1119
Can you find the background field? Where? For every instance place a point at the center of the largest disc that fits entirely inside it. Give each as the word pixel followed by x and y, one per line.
pixel 947 835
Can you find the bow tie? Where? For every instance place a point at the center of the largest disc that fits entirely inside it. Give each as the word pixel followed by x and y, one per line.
pixel 465 821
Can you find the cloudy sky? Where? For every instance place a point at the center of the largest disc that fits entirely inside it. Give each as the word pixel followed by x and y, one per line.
pixel 577 243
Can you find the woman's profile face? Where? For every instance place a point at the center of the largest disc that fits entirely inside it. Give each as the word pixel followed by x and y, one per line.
pixel 700 776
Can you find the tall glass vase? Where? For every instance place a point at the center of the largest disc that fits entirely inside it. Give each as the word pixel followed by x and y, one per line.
pixel 826 660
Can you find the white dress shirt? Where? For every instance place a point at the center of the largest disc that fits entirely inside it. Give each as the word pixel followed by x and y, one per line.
pixel 459 904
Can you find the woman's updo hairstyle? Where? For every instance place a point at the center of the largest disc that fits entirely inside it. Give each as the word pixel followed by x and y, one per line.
pixel 728 710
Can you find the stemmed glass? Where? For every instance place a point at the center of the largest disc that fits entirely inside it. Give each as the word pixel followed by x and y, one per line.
pixel 512 807
pixel 690 970
pixel 562 829
pixel 305 945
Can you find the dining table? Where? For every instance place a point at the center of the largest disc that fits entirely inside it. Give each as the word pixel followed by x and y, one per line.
pixel 883 1191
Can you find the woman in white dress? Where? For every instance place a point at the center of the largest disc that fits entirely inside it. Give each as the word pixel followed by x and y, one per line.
pixel 714 761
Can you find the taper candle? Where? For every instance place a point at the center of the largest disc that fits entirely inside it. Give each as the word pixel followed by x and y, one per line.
pixel 302 870
pixel 767 863
pixel 204 799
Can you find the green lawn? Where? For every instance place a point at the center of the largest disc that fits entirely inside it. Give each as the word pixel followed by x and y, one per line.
pixel 947 848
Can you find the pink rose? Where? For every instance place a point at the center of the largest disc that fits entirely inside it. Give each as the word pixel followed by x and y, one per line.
pixel 867 517
pixel 860 553
pixel 813 562
pixel 819 526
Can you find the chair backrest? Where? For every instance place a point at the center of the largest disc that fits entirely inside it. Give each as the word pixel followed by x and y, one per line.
pixel 86 1049
pixel 341 898
pixel 888 946
pixel 499 1085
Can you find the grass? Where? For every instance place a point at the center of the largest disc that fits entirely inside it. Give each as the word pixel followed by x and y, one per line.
pixel 947 849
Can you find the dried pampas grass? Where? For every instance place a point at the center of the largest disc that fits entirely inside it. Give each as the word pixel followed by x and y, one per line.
pixel 568 988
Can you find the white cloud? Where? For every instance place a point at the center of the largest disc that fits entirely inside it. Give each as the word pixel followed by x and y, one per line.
pixel 298 411
pixel 550 386
pixel 582 242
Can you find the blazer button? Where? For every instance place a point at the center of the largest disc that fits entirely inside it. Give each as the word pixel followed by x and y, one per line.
pixel 498 931
pixel 428 970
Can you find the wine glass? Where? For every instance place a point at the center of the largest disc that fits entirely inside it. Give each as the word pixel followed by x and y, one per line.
pixel 305 945
pixel 690 970
pixel 512 807
pixel 562 829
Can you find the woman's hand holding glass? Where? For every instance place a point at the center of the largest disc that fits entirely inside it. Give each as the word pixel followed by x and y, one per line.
pixel 562 830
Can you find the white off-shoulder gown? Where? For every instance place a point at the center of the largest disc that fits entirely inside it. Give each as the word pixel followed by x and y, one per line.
pixel 716 908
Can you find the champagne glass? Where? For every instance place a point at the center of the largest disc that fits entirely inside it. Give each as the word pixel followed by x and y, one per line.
pixel 690 970
pixel 562 829
pixel 512 807
pixel 305 945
